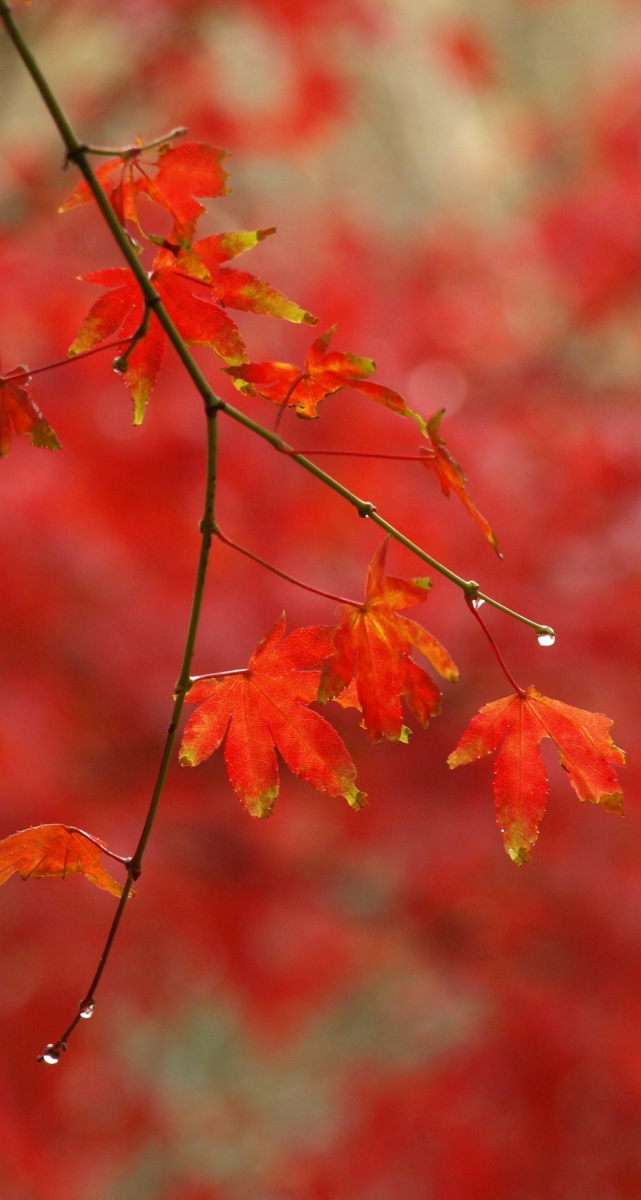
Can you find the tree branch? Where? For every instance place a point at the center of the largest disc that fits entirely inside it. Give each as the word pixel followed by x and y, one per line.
pixel 366 509
pixel 134 148
pixel 78 152
pixel 51 1053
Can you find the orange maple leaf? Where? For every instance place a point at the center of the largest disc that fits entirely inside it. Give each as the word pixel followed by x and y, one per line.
pixel 520 783
pixel 196 292
pixel 58 850
pixel 266 707
pixel 373 644
pixel 450 475
pixel 181 173
pixel 19 413
pixel 324 373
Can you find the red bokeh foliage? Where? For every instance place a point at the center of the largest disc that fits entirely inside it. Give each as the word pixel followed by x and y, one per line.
pixel 325 1006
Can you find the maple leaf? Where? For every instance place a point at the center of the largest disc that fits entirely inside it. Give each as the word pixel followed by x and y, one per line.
pixel 324 373
pixel 266 707
pixel 450 475
pixel 239 289
pixel 193 300
pixel 520 783
pixel 55 850
pixel 18 412
pixel 373 644
pixel 182 173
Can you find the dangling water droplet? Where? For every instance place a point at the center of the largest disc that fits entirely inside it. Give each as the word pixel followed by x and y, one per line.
pixel 547 639
pixel 86 1009
pixel 120 364
pixel 133 242
pixel 477 602
pixel 51 1055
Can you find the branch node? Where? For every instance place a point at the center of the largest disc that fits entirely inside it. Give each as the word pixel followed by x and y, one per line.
pixel 75 155
pixel 207 527
pixel 366 508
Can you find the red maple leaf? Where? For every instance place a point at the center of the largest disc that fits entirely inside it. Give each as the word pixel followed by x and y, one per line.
pixel 520 782
pixel 238 289
pixel 450 475
pixel 178 175
pixel 266 707
pixel 373 644
pixel 195 301
pixel 20 414
pixel 55 850
pixel 324 373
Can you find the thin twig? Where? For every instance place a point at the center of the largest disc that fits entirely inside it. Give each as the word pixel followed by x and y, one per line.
pixel 283 574
pixel 134 864
pixel 366 509
pixel 134 148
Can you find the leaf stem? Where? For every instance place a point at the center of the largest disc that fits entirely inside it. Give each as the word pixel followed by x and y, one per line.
pixel 219 674
pixel 359 454
pixel 121 363
pixel 134 865
pixel 63 362
pixel 469 600
pixel 77 152
pixel 283 574
pixel 285 400
pixel 96 842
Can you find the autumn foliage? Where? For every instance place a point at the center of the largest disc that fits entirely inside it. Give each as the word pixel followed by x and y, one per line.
pixel 58 851
pixel 516 725
pixel 266 707
pixel 196 291
pixel 373 643
pixel 20 414
pixel 354 998
pixel 324 372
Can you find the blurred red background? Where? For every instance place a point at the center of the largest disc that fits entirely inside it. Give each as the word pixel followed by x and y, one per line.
pixel 330 1006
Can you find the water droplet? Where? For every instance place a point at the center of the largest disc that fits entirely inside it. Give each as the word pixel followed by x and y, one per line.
pixel 120 364
pixel 86 1009
pixel 547 639
pixel 51 1054
pixel 477 602
pixel 133 242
